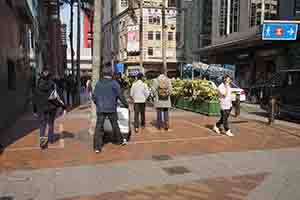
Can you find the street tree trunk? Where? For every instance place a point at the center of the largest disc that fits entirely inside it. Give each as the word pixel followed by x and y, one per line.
pixel 96 57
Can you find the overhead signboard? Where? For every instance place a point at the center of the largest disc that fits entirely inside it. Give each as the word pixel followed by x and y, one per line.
pixel 280 31
pixel 133 40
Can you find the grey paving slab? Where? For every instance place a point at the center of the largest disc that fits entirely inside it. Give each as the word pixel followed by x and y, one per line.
pixel 270 188
pixel 76 181
pixel 92 180
pixel 291 189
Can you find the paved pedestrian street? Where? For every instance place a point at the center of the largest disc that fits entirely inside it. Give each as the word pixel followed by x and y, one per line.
pixel 189 161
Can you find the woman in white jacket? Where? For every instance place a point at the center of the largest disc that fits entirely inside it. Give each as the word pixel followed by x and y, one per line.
pixel 139 93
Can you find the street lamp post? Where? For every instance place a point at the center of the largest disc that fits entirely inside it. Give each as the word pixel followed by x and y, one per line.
pixel 141 35
pixel 165 68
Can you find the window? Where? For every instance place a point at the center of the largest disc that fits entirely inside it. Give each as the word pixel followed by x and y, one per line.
pixel 223 18
pixel 9 3
pixel 154 19
pixel 178 36
pixel 158 35
pixel 158 20
pixel 150 51
pixel 297 8
pixel 11 75
pixel 170 36
pixel 150 19
pixel 124 3
pixel 150 35
pixel 259 11
pixel 232 24
pixel 172 3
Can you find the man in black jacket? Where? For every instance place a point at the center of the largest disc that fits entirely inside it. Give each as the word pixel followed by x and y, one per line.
pixel 46 109
pixel 106 95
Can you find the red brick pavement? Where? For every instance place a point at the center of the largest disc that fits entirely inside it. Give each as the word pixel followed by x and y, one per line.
pixel 229 188
pixel 190 135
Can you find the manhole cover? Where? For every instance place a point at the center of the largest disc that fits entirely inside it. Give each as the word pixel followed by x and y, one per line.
pixel 161 157
pixel 6 198
pixel 178 170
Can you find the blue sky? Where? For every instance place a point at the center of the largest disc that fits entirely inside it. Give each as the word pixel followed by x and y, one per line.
pixel 65 18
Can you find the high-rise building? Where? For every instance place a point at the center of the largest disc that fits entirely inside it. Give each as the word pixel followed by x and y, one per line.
pixel 18 39
pixel 236 38
pixel 122 31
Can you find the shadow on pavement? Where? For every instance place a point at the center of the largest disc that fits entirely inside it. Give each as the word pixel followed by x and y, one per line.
pixel 261 114
pixel 240 122
pixel 22 127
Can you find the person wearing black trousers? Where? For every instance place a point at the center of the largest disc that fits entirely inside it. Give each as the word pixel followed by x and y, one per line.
pixel 139 93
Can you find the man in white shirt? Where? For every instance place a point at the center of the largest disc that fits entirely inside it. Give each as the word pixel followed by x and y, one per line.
pixel 225 104
pixel 139 93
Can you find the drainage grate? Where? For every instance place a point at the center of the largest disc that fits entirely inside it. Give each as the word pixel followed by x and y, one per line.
pixel 161 157
pixel 178 170
pixel 6 198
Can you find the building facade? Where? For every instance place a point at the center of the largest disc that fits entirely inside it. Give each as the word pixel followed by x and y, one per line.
pixel 237 38
pixel 122 31
pixel 18 20
pixel 201 28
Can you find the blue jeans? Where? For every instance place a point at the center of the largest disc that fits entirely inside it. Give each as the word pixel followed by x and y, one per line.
pixel 162 116
pixel 47 119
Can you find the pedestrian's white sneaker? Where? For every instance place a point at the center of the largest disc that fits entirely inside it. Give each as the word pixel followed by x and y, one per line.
pixel 216 129
pixel 124 142
pixel 228 133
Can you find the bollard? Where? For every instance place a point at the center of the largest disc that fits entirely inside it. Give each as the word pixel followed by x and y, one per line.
pixel 238 105
pixel 272 107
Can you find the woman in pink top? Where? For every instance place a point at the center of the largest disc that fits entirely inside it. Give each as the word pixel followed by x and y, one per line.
pixel 225 104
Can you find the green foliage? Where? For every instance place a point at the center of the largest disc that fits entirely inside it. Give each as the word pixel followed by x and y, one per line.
pixel 196 90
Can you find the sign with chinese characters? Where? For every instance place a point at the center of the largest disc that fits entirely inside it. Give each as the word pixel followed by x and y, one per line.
pixel 280 31
pixel 133 40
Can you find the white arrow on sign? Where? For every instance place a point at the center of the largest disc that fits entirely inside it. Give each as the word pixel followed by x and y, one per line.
pixel 268 32
pixel 291 31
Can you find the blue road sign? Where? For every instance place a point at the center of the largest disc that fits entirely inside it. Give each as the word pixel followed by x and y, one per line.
pixel 120 68
pixel 280 31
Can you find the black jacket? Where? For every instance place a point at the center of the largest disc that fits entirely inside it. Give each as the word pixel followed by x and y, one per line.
pixel 42 92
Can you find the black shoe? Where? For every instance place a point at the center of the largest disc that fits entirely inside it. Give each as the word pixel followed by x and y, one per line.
pixel 43 143
pixel 124 142
pixel 166 126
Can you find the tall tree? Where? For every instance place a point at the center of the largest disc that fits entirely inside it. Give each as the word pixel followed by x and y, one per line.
pixel 97 54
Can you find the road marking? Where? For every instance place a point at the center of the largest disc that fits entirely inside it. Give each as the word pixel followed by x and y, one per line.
pixel 177 140
pixel 194 124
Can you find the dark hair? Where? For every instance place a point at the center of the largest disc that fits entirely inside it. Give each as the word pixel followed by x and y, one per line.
pixel 225 77
pixel 162 71
pixel 46 69
pixel 140 76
